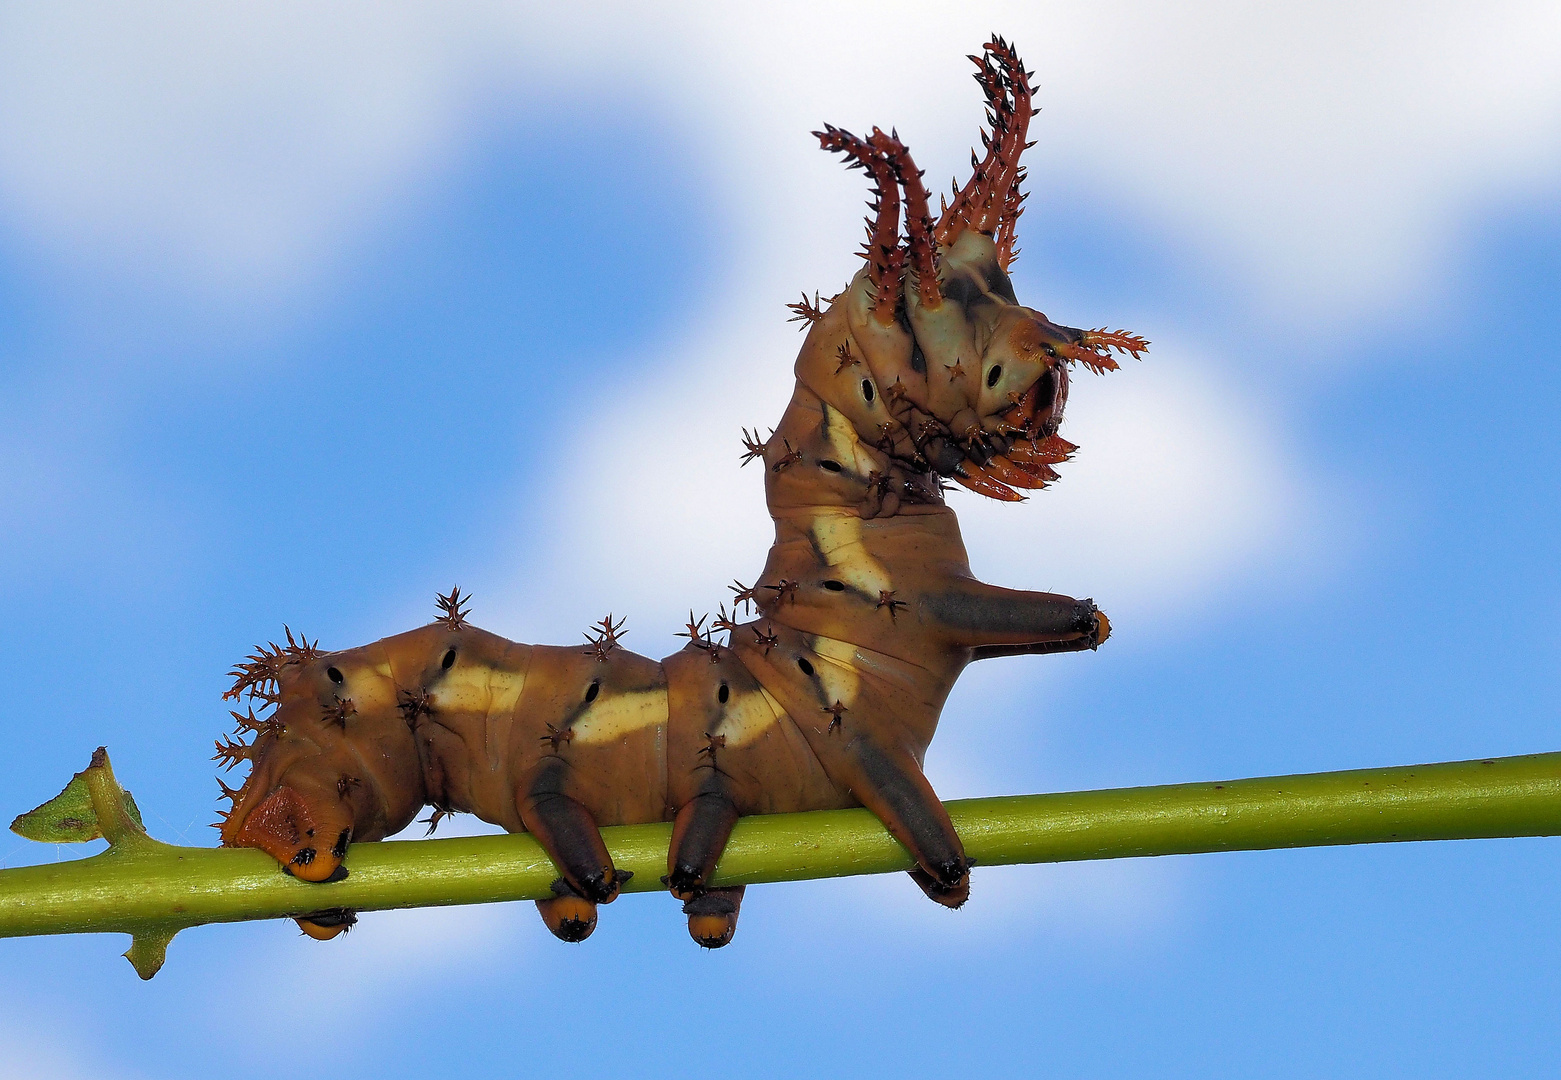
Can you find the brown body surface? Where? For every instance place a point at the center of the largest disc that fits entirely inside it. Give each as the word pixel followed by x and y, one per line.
pixel 826 694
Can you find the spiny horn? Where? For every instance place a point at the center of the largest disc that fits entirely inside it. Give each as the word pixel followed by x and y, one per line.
pixel 986 218
pixel 986 203
pixel 885 258
pixel 918 218
pixel 1007 227
pixel 956 215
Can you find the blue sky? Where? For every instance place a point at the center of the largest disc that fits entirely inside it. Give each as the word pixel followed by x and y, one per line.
pixel 303 317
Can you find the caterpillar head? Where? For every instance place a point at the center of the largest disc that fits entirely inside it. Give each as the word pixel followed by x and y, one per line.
pixel 953 374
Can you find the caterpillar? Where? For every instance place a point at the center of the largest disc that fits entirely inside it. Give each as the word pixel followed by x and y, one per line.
pixel 822 686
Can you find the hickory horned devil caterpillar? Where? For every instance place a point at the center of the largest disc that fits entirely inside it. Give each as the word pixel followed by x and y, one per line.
pixel 925 367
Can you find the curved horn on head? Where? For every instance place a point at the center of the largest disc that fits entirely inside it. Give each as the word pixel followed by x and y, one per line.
pixel 989 201
pixel 918 217
pixel 885 258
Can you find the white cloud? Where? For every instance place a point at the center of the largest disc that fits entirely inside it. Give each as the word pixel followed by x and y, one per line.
pixel 1325 151
pixel 1325 154
pixel 231 148
pixel 1178 486
pixel 1178 482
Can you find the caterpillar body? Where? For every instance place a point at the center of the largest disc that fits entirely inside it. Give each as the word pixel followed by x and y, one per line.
pixel 827 686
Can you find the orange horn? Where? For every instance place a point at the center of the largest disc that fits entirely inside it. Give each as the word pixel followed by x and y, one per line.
pixel 918 218
pixel 885 258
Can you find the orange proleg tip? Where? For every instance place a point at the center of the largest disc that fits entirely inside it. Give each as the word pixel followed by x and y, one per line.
pixel 318 932
pixel 712 916
pixel 324 925
pixel 950 896
pixel 1102 627
pixel 570 918
pixel 712 931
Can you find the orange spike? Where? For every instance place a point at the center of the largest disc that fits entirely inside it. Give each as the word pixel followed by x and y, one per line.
pixel 1121 340
pixel 986 211
pixel 1015 475
pixel 885 257
pixel 918 220
pixel 980 481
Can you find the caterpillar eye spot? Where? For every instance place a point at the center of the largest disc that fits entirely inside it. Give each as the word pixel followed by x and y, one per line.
pixel 592 690
pixel 829 466
pixel 993 375
pixel 835 586
pixel 448 662
pixel 724 694
pixel 807 668
pixel 334 675
pixel 867 391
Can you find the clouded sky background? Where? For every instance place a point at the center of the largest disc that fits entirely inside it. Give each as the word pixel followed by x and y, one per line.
pixel 306 314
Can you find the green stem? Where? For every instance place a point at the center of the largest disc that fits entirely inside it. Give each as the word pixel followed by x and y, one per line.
pixel 152 890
